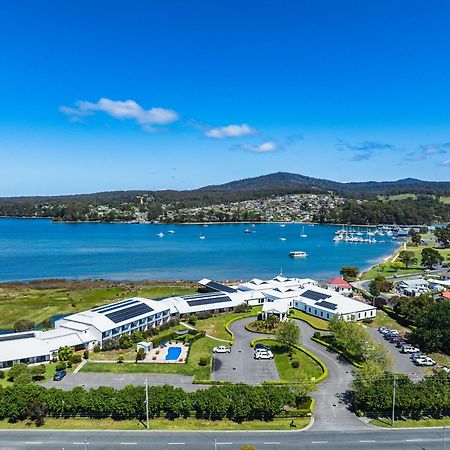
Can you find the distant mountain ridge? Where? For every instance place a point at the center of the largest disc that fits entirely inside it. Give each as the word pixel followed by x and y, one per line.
pixel 291 181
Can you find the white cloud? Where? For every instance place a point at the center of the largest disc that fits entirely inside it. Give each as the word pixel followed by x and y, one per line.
pixel 127 109
pixel 446 162
pixel 230 131
pixel 265 147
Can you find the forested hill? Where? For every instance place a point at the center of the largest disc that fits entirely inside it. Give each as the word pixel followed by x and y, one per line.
pixel 285 181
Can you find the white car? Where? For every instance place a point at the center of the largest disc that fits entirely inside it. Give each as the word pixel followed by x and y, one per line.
pixel 263 355
pixel 221 349
pixel 409 349
pixel 426 361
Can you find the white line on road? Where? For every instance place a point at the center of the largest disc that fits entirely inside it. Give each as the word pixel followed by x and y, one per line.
pixel 128 443
pixel 371 440
pixel 176 443
pixel 34 442
pixel 413 440
pixel 224 443
pixel 319 442
pixel 81 443
pixel 271 443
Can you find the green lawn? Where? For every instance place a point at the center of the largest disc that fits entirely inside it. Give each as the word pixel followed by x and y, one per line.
pixel 38 304
pixel 308 366
pixel 398 197
pixel 315 322
pixel 157 424
pixel 215 325
pixel 201 347
pixel 386 423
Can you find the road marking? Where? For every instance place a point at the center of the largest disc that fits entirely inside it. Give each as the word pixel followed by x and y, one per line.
pixel 81 443
pixel 319 442
pixel 176 443
pixel 128 443
pixel 413 440
pixel 368 441
pixel 34 442
pixel 334 411
pixel 224 443
pixel 271 443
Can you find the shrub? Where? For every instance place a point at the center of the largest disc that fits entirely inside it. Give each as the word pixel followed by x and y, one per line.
pixel 86 354
pixel 203 361
pixel 61 366
pixel 110 344
pixel 69 364
pixel 37 372
pixel 120 358
pixel 317 335
pixel 125 341
pixel 192 319
pixel 243 308
pixel 164 326
pixel 2 374
pixel 65 353
pixel 97 348
pixel 295 364
pixel 140 355
pixel 16 370
pixel 75 359
pixel 174 321
pixel 367 321
pixel 23 325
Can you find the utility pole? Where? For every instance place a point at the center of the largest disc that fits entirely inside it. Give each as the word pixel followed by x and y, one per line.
pixel 393 403
pixel 146 402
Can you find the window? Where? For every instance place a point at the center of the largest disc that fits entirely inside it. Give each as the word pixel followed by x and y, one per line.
pixel 321 313
pixel 328 315
pixel 309 309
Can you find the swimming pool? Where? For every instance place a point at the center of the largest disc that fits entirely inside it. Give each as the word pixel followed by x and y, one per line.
pixel 173 353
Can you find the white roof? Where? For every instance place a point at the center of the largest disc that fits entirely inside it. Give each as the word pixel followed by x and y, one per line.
pixel 418 282
pixel 22 348
pixel 62 337
pixel 279 282
pixel 98 319
pixel 277 307
pixel 334 302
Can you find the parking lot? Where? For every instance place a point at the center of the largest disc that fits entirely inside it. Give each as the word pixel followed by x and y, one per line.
pixel 239 366
pixel 402 361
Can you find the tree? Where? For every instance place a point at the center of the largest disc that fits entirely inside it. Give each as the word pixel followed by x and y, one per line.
pixel 65 353
pixel 416 239
pixel 23 325
pixel 374 288
pixel 443 236
pixel 431 257
pixel 140 355
pixel 301 387
pixel 349 273
pixel 407 258
pixel 396 265
pixel 288 333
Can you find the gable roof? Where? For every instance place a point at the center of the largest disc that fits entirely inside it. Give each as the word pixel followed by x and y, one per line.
pixel 340 282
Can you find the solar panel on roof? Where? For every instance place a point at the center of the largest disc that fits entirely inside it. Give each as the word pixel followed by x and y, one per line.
pixel 209 301
pixel 113 308
pixel 327 305
pixel 103 308
pixel 208 295
pixel 220 287
pixel 313 295
pixel 15 337
pixel 129 313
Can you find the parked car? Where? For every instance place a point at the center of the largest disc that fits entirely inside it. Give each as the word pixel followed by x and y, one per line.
pixel 221 349
pixel 446 369
pixel 417 355
pixel 267 354
pixel 59 375
pixel 425 361
pixel 383 329
pixel 396 340
pixel 261 347
pixel 406 348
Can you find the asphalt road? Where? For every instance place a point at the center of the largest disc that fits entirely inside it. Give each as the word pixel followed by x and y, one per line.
pixel 421 439
pixel 239 366
pixel 402 362
pixel 332 410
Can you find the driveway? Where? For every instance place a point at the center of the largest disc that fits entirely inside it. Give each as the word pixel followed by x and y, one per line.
pixel 118 381
pixel 239 366
pixel 332 411
pixel 402 362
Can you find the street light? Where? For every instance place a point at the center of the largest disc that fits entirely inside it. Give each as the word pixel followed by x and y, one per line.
pixel 146 401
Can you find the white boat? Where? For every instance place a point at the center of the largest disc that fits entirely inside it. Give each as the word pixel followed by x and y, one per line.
pixel 160 234
pixel 298 254
pixel 282 225
pixel 247 230
pixel 171 231
pixel 282 238
pixel 202 236
pixel 303 235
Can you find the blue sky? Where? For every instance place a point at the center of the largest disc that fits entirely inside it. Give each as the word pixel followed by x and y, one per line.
pixel 110 95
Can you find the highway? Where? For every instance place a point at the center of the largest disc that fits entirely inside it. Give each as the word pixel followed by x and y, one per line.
pixel 421 439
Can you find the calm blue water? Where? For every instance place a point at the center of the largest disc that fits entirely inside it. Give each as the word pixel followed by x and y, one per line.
pixel 37 248
pixel 173 353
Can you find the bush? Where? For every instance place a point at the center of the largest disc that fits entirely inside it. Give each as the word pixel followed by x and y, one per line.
pixel 75 359
pixel 125 341
pixel 37 372
pixel 2 374
pixel 86 354
pixel 69 364
pixel 110 344
pixel 97 348
pixel 317 335
pixel 23 325
pixel 367 321
pixel 243 308
pixel 120 358
pixel 192 320
pixel 295 364
pixel 61 366
pixel 165 326
pixel 203 361
pixel 174 322
pixel 17 370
